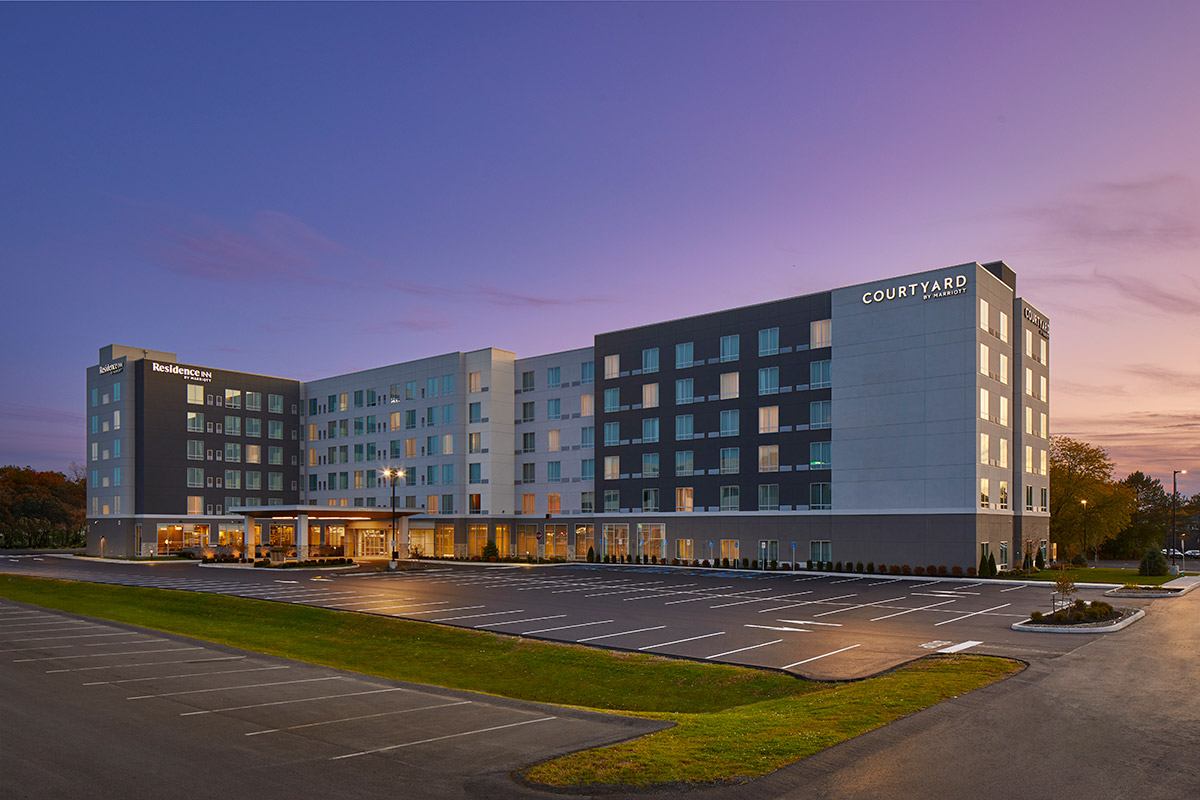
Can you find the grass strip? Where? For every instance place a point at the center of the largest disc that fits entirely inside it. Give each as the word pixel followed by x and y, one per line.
pixel 523 669
pixel 750 741
pixel 1100 575
pixel 732 723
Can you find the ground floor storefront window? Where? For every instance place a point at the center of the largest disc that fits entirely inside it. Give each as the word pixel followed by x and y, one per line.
pixel 653 538
pixel 444 544
pixel 477 538
pixel 420 542
pixel 527 541
pixel 584 540
pixel 616 539
pixel 502 541
pixel 556 541
pixel 176 538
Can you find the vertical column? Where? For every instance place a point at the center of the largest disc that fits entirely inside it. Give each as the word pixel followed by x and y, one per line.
pixel 403 535
pixel 248 538
pixel 301 537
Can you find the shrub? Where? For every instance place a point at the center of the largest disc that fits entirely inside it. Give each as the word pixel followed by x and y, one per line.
pixel 858 567
pixel 809 564
pixel 983 568
pixel 591 555
pixel 1059 616
pixel 931 569
pixel 918 570
pixel 774 563
pixel 1040 560
pixel 883 568
pixel 1080 560
pixel 837 567
pixel 754 564
pixel 490 551
pixel 870 566
pixel 941 569
pixel 1153 562
pixel 893 570
pixel 1036 616
pixel 906 569
pixel 745 563
pixel 971 572
pixel 724 562
pixel 956 571
pixel 991 565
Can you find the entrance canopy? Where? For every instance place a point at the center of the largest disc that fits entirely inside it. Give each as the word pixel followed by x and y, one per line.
pixel 335 513
pixel 258 522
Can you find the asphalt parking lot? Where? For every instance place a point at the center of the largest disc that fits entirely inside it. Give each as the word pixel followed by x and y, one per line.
pixel 818 625
pixel 104 710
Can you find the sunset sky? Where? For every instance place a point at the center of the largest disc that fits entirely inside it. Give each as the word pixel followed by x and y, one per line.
pixel 306 190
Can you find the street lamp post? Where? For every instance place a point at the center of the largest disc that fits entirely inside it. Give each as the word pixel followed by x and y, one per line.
pixel 1174 497
pixel 393 474
pixel 1085 536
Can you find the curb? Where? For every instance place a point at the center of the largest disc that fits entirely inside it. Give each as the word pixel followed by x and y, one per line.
pixel 1116 626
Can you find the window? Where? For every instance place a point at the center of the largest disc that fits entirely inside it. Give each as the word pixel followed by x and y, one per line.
pixel 684 427
pixel 684 392
pixel 684 498
pixel 612 500
pixel 649 500
pixel 820 551
pixel 1004 369
pixel 554 471
pixel 275 403
pixel 253 454
pixel 768 497
pixel 768 380
pixel 1003 494
pixel 587 469
pixel 587 503
pixel 431 416
pixel 474 473
pixel 683 355
pixel 1044 430
pixel 650 430
pixel 1029 343
pixel 527 411
pixel 820 334
pixel 1004 410
pixel 195 477
pixel 587 405
pixel 731 498
pixel 768 419
pixel 768 341
pixel 553 504
pixel 983 359
pixel 410 448
pixel 474 442
pixel 195 421
pixel 474 412
pixel 1029 498
pixel 820 496
pixel 195 504
pixel 730 461
pixel 820 455
pixel 612 367
pixel 587 372
pixel 729 385
pixel 431 475
pixel 195 394
pixel 650 395
pixel 233 426
pixel 1029 381
pixel 587 436
pixel 475 382
pixel 768 458
pixel 984 403
pixel 819 414
pixel 649 465
pixel 254 401
pixel 820 374
pixel 612 468
pixel 1045 495
pixel 729 422
pixel 96 396
pixel 527 381
pixel 650 359
pixel 254 427
pixel 1044 470
pixel 528 442
pixel 684 463
pixel 983 314
pixel 1003 327
pixel 233 479
pixel 984 448
pixel 233 452
pixel 729 348
pixel 553 377
pixel 274 429
pixel 1045 392
pixel 553 441
pixel 612 400
pixel 554 408
pixel 195 450
pixel 984 493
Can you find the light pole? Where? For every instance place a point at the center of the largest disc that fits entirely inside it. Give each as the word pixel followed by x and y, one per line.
pixel 1174 497
pixel 1085 536
pixel 393 474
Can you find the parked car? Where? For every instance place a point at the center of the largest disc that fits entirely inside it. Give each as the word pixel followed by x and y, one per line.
pixel 1173 553
pixel 1192 553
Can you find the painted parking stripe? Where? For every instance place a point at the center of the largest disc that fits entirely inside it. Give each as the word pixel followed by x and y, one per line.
pixel 972 614
pixel 911 610
pixel 923 585
pixel 742 649
pixel 519 621
pixel 823 655
pixel 361 717
pixel 778 628
pixel 231 688
pixel 858 606
pixel 102 655
pixel 568 627
pixel 440 610
pixel 288 702
pixel 958 647
pixel 440 738
pixel 73 636
pixel 681 641
pixel 42 647
pixel 476 616
pixel 145 663
pixel 183 675
pixel 7 624
pixel 621 633
pixel 883 583
pixel 763 599
pixel 846 580
pixel 1014 588
pixel 811 622
pixel 809 602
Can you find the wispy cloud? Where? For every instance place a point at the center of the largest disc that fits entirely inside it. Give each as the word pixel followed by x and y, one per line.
pixel 18 413
pixel 1166 378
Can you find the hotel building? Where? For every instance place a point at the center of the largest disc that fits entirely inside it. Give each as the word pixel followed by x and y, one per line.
pixel 902 421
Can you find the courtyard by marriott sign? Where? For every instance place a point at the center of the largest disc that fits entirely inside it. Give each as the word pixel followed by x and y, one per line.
pixel 926 290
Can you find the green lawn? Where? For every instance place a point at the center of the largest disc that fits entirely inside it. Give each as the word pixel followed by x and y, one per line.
pixel 1101 575
pixel 730 721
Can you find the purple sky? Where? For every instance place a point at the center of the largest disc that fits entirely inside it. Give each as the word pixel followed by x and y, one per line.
pixel 305 190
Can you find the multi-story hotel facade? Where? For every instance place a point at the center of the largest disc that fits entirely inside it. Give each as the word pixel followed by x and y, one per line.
pixel 902 421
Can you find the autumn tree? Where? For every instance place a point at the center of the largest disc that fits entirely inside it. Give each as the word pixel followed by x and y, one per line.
pixel 1080 471
pixel 1149 522
pixel 41 509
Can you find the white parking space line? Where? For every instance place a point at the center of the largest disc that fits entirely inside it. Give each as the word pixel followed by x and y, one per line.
pixel 778 628
pixel 288 702
pixel 681 641
pixel 911 610
pixel 883 583
pixel 1014 588
pixel 231 688
pixel 858 606
pixel 971 586
pixel 972 614
pixel 923 585
pixel 958 647
pixel 363 716
pixel 959 595
pixel 183 675
pixel 519 621
pixel 388 602
pixel 44 647
pixel 742 649
pixel 823 655
pixel 440 738
pixel 809 602
pixel 621 633
pixel 73 636
pixel 103 655
pixel 8 624
pixel 419 605
pixel 476 616
pixel 441 610
pixel 811 622
pixel 762 599
pixel 146 663
pixel 568 627
pixel 846 580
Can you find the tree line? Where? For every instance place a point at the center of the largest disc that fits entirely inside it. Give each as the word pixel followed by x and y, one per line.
pixel 42 509
pixel 1120 518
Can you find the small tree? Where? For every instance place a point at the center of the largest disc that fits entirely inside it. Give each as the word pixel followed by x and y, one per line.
pixel 992 571
pixel 983 567
pixel 1064 587
pixel 591 556
pixel 1153 562
pixel 1039 561
pixel 490 551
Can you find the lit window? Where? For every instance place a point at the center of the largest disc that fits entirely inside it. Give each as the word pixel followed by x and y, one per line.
pixel 587 405
pixel 729 385
pixel 983 314
pixel 650 395
pixel 612 468
pixel 768 458
pixel 820 333
pixel 984 403
pixel 820 455
pixel 612 367
pixel 553 503
pixel 983 359
pixel 1004 369
pixel 195 394
pixel 684 496
pixel 768 419
pixel 474 442
pixel 552 441
pixel 984 448
pixel 984 493
pixel 474 382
